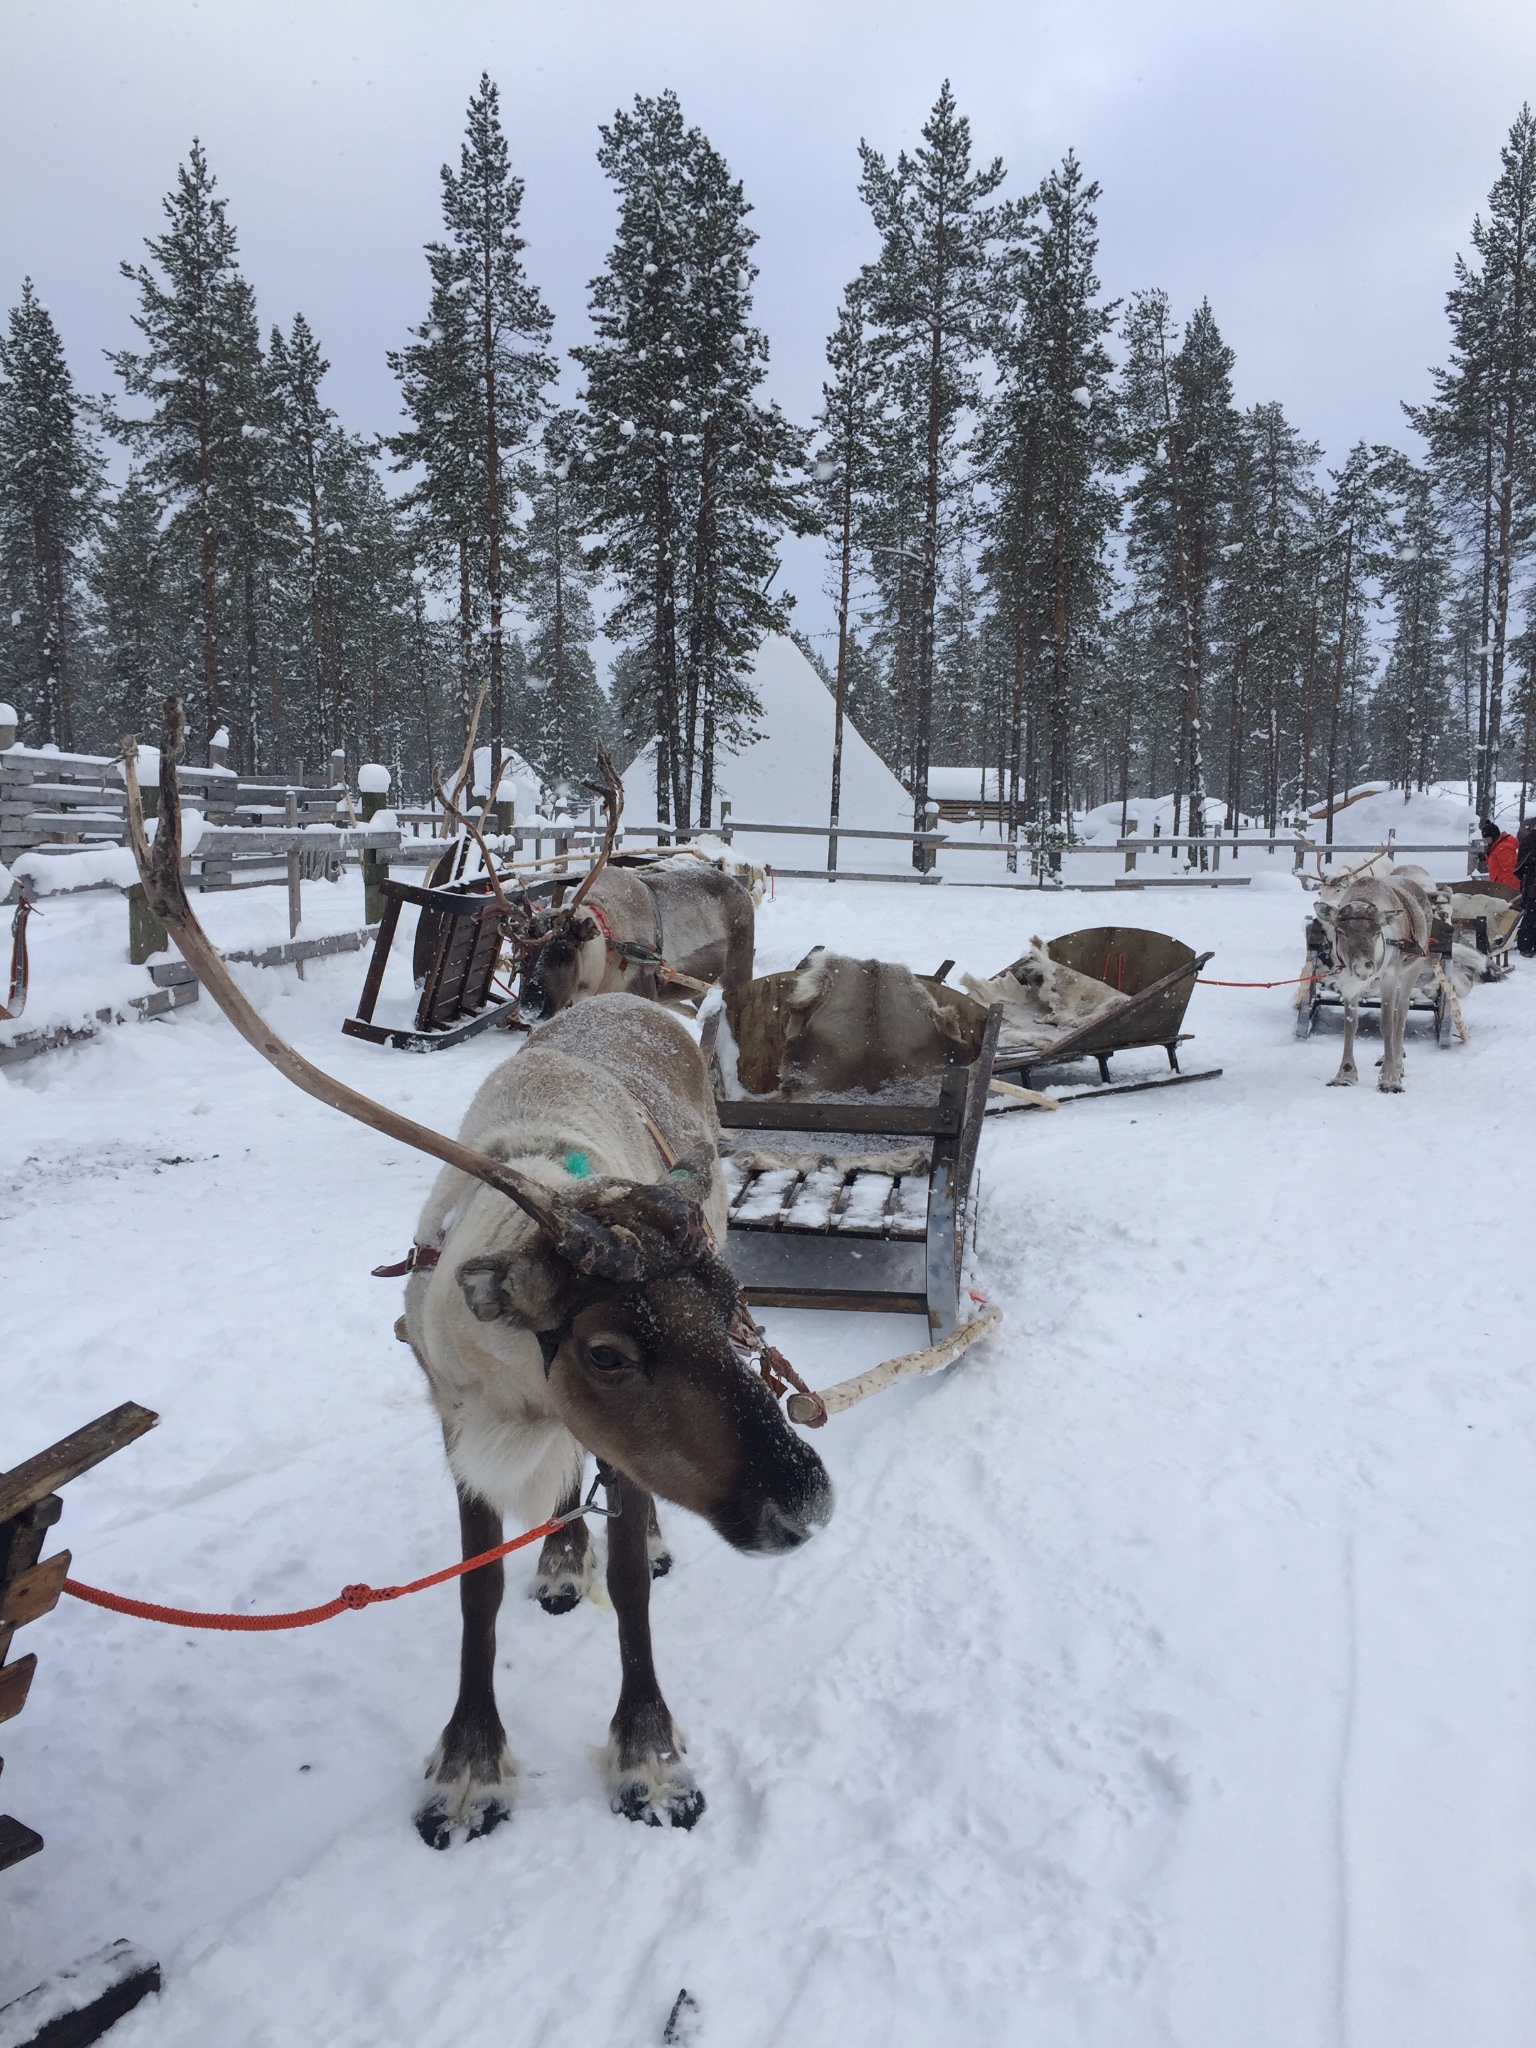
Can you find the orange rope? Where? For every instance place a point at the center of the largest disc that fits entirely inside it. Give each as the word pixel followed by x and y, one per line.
pixel 303 1617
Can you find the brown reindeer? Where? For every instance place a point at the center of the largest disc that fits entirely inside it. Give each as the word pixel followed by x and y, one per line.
pixel 634 931
pixel 588 1312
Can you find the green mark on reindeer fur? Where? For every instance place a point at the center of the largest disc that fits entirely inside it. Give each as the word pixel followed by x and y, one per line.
pixel 579 1164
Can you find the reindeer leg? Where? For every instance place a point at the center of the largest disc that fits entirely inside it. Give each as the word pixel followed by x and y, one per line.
pixel 647 1778
pixel 1395 991
pixel 567 1561
pixel 1348 1074
pixel 472 1776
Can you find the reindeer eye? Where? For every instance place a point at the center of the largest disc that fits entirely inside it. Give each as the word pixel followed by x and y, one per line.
pixel 607 1357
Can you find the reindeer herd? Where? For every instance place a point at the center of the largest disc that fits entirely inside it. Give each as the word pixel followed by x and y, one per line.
pixel 566 1293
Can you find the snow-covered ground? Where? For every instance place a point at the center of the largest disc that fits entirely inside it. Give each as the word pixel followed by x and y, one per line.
pixel 1159 1684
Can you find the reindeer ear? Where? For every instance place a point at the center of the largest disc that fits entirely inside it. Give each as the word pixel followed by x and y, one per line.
pixel 482 1282
pixel 584 929
pixel 512 1288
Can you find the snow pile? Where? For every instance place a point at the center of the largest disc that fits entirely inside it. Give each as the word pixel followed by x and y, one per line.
pixel 373 779
pixel 49 870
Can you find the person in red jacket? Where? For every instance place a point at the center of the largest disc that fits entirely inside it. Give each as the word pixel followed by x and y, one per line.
pixel 1499 854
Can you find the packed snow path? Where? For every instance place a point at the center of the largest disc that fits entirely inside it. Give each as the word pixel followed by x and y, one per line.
pixel 1168 1674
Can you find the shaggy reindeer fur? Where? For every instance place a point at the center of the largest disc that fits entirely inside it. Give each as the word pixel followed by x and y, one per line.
pixel 528 1361
pixel 1042 1000
pixel 700 920
pixel 1380 934
pixel 862 1023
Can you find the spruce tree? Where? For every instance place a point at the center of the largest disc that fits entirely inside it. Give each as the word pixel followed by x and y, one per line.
pixel 1481 424
pixel 1180 427
pixel 50 482
pixel 565 714
pixel 1410 708
pixel 932 294
pixel 1356 530
pixel 1048 441
pixel 846 474
pixel 142 630
pixel 472 381
pixel 689 478
pixel 197 375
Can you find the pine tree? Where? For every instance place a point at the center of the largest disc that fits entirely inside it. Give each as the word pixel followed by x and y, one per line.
pixel 50 483
pixel 1411 705
pixel 931 298
pixel 1048 441
pixel 1180 427
pixel 142 630
pixel 846 473
pixel 197 375
pixel 1357 527
pixel 1481 425
pixel 472 383
pixel 1262 603
pixel 566 714
pixel 689 478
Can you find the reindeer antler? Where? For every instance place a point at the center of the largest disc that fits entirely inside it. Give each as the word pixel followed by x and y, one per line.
pixel 451 810
pixel 588 1245
pixel 611 790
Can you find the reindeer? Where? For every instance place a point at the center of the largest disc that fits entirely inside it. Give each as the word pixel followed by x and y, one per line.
pixel 675 927
pixel 590 1311
pixel 1380 929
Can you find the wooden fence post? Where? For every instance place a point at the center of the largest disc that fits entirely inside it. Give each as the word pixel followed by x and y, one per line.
pixel 373 786
pixel 146 934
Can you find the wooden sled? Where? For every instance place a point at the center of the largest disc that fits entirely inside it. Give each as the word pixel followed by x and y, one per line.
pixel 820 1235
pixel 1155 976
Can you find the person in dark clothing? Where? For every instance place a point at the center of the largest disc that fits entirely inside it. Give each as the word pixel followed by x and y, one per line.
pixel 1499 854
pixel 1525 876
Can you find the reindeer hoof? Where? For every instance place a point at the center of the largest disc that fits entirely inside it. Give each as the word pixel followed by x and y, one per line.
pixel 433 1825
pixel 636 1801
pixel 476 1796
pixel 1344 1080
pixel 562 1601
pixel 661 1563
pixel 1390 1087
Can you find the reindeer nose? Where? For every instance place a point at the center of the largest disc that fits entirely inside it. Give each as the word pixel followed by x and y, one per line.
pixel 778 1530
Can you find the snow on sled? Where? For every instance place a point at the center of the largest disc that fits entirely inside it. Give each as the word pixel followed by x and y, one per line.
pixel 1091 994
pixel 852 1196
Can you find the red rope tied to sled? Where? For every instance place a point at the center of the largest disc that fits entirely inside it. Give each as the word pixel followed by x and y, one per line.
pixel 353 1597
pixel 1289 981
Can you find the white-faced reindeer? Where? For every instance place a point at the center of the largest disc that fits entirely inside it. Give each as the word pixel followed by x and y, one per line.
pixel 634 931
pixel 1380 930
pixel 565 1296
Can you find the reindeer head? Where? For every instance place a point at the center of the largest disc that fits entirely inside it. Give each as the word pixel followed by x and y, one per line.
pixel 550 947
pixel 1359 939
pixel 549 943
pixel 644 1370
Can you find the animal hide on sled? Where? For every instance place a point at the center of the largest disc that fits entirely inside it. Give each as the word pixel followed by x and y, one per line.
pixel 1042 1000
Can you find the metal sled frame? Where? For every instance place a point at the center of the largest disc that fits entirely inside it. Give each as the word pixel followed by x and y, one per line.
pixel 890 1261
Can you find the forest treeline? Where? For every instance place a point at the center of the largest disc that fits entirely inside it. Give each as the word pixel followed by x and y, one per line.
pixel 1059 551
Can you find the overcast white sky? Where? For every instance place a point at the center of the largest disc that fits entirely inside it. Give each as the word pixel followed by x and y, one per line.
pixel 1311 167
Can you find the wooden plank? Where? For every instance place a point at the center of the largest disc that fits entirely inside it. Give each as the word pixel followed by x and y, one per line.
pixel 76 2006
pixel 407 1038
pixel 26 1484
pixel 17 1843
pixel 943 1243
pixel 788 1269
pixel 1103 1088
pixel 21 1543
pixel 34 1592
pixel 907 1119
pixel 15 1684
